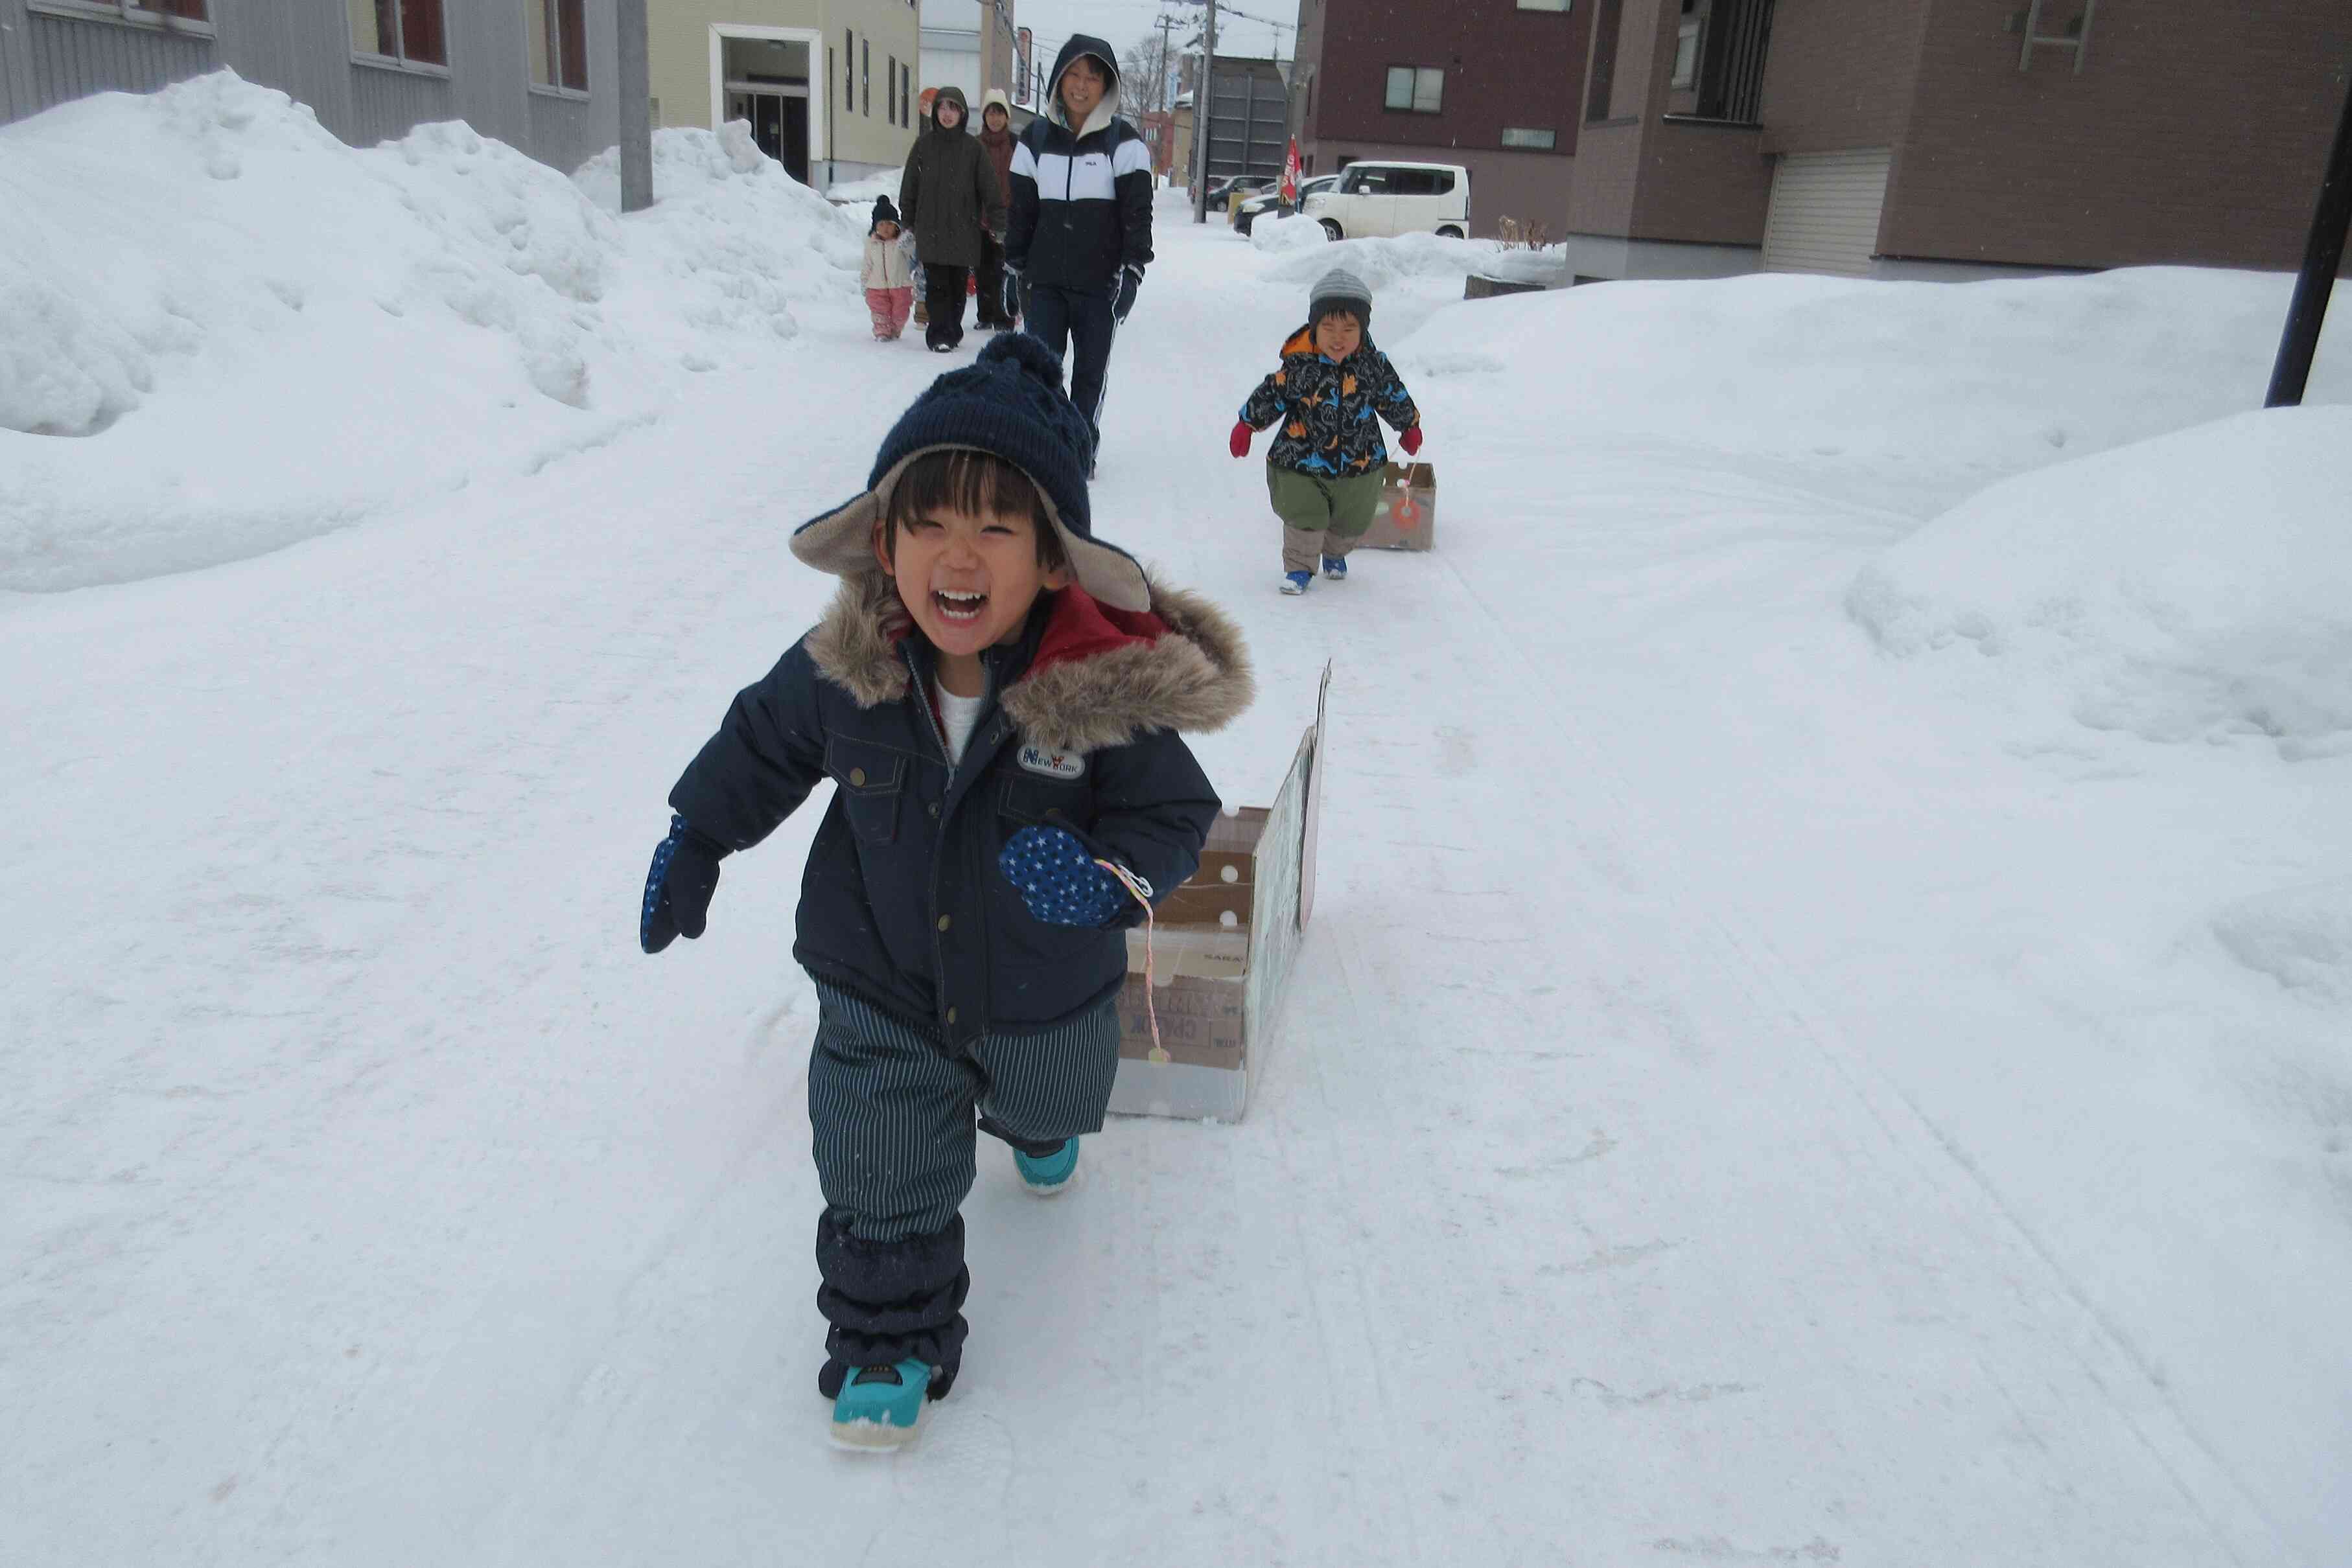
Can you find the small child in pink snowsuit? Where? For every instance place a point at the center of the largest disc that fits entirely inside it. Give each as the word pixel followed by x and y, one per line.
pixel 888 274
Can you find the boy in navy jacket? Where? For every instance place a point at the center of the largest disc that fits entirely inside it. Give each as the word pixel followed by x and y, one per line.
pixel 997 696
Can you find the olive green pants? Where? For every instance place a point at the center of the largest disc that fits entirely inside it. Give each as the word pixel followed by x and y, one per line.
pixel 1321 517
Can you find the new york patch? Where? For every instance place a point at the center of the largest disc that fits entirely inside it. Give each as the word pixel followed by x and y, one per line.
pixel 1053 764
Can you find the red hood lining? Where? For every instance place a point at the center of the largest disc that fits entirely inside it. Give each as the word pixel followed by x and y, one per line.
pixel 1079 627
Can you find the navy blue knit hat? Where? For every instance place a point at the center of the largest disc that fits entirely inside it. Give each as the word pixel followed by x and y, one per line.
pixel 1009 403
pixel 883 213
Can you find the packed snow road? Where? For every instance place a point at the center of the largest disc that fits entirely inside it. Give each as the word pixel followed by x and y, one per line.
pixel 1614 1192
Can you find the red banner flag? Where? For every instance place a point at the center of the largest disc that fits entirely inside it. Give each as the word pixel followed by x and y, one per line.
pixel 1291 174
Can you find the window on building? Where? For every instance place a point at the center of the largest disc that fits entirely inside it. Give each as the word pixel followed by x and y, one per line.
pixel 1527 136
pixel 866 66
pixel 156 10
pixel 906 94
pixel 1606 27
pixel 1543 5
pixel 559 42
pixel 409 31
pixel 1720 48
pixel 1417 89
pixel 848 71
pixel 890 89
pixel 1687 36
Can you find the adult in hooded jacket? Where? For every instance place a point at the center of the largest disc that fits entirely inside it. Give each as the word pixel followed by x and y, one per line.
pixel 949 197
pixel 1081 218
pixel 998 308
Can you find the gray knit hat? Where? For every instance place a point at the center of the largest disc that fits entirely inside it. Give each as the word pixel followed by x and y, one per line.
pixel 1339 289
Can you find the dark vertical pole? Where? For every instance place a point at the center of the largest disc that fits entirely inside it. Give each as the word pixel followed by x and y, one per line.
pixel 1203 105
pixel 637 109
pixel 2321 258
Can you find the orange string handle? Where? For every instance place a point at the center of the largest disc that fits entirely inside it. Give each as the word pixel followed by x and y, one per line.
pixel 1142 891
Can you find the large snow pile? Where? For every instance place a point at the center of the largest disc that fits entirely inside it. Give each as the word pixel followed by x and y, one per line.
pixel 2299 937
pixel 1932 389
pixel 731 243
pixel 2193 587
pixel 858 196
pixel 223 331
pixel 1274 235
pixel 1417 259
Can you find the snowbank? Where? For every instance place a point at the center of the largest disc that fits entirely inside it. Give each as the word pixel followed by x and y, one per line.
pixel 223 331
pixel 1272 236
pixel 1934 389
pixel 858 195
pixel 2194 587
pixel 731 243
pixel 1417 259
pixel 2300 937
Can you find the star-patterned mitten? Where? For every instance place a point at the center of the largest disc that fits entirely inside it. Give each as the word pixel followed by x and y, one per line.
pixel 678 890
pixel 1058 879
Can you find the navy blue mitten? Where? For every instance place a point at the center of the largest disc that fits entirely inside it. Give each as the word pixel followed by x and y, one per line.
pixel 678 888
pixel 1058 878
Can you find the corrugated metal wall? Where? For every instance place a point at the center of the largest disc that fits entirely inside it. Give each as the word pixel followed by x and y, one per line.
pixel 304 47
pixel 65 57
pixel 1826 211
pixel 386 104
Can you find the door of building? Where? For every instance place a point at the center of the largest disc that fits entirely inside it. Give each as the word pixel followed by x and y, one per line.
pixel 779 124
pixel 1826 211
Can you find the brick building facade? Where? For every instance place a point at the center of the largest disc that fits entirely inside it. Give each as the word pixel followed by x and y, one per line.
pixel 1493 85
pixel 1921 137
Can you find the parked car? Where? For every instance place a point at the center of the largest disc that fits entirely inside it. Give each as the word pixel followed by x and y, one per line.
pixel 1374 199
pixel 1271 201
pixel 1221 192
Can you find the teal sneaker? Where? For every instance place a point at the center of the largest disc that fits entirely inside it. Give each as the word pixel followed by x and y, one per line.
pixel 1049 1175
pixel 880 1407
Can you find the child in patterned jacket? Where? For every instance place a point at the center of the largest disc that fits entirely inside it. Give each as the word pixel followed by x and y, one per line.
pixel 1326 466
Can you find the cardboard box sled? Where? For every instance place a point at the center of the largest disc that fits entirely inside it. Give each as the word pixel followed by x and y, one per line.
pixel 1408 515
pixel 1220 952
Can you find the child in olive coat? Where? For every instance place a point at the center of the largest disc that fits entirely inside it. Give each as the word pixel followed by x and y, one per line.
pixel 1326 468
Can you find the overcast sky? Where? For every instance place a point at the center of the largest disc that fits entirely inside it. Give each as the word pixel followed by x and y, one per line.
pixel 1126 22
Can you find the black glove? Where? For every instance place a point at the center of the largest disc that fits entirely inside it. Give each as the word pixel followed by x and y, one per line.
pixel 1130 278
pixel 678 888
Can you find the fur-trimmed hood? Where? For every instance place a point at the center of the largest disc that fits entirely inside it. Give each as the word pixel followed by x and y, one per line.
pixel 1099 677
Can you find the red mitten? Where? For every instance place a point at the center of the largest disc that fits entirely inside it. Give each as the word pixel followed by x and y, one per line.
pixel 1410 442
pixel 1240 438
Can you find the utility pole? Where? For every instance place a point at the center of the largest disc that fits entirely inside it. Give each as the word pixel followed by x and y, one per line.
pixel 2321 258
pixel 637 129
pixel 1205 94
pixel 1159 87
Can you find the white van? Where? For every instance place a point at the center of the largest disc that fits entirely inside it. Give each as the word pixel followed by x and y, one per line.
pixel 1376 198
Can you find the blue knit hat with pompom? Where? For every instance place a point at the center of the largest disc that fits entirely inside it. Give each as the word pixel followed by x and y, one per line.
pixel 1009 403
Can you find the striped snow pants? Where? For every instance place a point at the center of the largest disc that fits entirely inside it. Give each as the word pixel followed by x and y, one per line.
pixel 895 1119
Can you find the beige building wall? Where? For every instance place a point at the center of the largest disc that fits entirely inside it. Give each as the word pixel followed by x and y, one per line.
pixel 854 125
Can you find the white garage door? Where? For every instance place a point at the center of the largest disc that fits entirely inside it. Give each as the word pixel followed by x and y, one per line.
pixel 1825 209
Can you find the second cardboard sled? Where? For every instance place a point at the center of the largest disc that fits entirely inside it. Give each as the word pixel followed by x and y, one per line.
pixel 1408 515
pixel 1220 951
